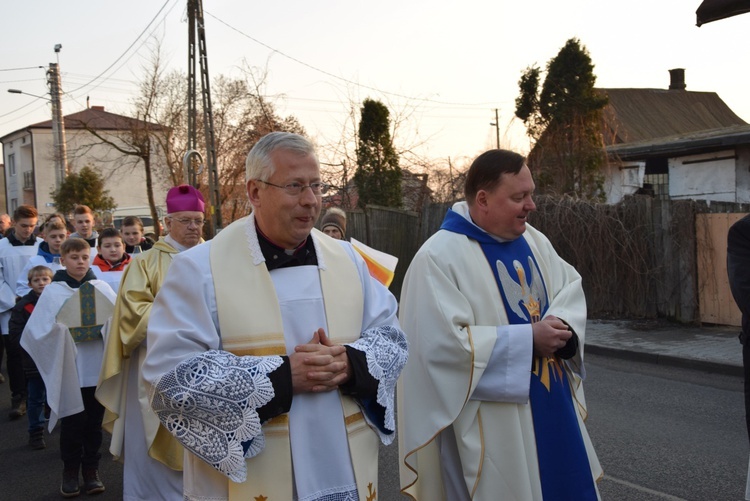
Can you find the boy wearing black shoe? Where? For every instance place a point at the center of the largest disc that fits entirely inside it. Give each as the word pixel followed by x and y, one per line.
pixel 39 277
pixel 64 338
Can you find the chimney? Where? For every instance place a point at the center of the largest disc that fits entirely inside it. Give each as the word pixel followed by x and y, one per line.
pixel 677 79
pixel 97 108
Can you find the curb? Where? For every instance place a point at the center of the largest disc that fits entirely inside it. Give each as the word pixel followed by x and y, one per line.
pixel 667 360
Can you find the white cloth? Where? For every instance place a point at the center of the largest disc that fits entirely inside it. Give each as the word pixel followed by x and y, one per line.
pixel 143 476
pixel 12 260
pixel 184 327
pixel 301 302
pixel 22 283
pixel 65 366
pixel 112 278
pixel 464 422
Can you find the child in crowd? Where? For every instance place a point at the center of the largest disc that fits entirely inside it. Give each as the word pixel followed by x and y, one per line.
pixel 132 234
pixel 69 354
pixel 48 253
pixel 83 222
pixel 36 396
pixel 111 255
pixel 111 259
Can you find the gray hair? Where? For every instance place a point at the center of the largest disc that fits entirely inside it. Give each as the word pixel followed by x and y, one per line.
pixel 259 165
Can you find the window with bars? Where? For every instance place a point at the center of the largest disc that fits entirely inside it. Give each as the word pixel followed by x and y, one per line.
pixel 659 184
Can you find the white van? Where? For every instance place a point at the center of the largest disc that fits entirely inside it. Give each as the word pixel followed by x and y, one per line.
pixel 116 216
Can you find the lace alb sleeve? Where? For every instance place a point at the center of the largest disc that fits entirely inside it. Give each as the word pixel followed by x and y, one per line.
pixel 386 350
pixel 209 401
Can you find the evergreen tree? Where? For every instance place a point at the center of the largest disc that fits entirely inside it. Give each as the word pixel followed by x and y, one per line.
pixel 378 175
pixel 564 120
pixel 83 188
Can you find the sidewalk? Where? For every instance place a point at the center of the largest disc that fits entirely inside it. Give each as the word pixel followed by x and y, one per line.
pixel 709 348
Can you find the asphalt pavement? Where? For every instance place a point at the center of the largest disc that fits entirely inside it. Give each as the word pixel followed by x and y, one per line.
pixel 31 474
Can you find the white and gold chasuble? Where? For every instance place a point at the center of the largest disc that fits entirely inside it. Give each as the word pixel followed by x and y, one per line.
pixel 63 336
pixel 264 315
pixel 459 437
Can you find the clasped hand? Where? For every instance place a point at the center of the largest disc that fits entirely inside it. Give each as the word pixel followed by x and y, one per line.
pixel 319 365
pixel 550 334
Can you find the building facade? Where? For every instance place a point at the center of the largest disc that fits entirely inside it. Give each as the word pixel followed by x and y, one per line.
pixel 29 157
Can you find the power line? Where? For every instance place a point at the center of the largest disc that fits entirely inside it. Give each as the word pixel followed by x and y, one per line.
pixel 339 77
pixel 19 109
pixel 19 69
pixel 126 50
pixel 17 81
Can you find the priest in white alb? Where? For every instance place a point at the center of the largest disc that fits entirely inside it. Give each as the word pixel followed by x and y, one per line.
pixel 491 403
pixel 273 355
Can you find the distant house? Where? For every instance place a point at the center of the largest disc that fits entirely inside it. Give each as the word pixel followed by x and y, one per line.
pixel 414 193
pixel 30 160
pixel 675 144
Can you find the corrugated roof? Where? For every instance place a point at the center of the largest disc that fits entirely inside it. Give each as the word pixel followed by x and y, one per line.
pixel 635 115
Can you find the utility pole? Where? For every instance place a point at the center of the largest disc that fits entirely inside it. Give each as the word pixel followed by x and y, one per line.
pixel 197 51
pixel 496 123
pixel 58 124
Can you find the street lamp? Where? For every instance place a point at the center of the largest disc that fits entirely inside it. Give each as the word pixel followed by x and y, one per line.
pixel 58 125
pixel 19 91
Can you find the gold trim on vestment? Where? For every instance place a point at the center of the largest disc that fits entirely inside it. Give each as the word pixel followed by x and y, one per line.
pixel 257 352
pixel 251 324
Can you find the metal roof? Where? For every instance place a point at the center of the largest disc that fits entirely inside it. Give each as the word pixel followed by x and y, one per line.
pixel 636 115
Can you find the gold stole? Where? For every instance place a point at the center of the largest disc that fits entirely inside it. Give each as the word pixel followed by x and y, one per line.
pixel 250 322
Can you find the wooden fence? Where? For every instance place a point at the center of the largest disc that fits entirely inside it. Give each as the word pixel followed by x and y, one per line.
pixel 639 258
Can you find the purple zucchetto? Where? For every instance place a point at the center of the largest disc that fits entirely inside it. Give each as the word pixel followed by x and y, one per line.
pixel 184 198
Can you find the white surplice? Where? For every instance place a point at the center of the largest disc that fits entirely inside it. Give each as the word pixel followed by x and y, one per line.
pixel 184 327
pixel 65 366
pixel 13 258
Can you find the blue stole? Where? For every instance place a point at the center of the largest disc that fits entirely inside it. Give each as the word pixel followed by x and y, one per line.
pixel 564 469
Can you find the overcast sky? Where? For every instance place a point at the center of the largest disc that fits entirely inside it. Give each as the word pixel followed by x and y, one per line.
pixel 447 65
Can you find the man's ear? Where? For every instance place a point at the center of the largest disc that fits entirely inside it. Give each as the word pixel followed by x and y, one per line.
pixel 481 199
pixel 253 192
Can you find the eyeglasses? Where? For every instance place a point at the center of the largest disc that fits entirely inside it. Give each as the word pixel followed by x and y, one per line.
pixel 188 222
pixel 296 189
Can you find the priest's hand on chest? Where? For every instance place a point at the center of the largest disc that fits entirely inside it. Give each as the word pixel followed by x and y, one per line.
pixel 319 365
pixel 550 334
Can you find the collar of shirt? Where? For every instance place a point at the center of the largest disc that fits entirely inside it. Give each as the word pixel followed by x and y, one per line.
pixel 276 257
pixel 15 242
pixel 62 276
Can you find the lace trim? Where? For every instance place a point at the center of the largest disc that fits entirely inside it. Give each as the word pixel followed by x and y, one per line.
pixel 209 403
pixel 386 351
pixel 252 240
pixel 346 493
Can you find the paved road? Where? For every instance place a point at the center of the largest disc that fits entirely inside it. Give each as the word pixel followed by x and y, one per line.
pixel 661 433
pixel 665 433
pixel 35 475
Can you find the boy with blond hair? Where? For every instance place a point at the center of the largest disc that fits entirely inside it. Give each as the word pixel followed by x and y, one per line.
pixel 67 347
pixel 38 278
pixel 48 253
